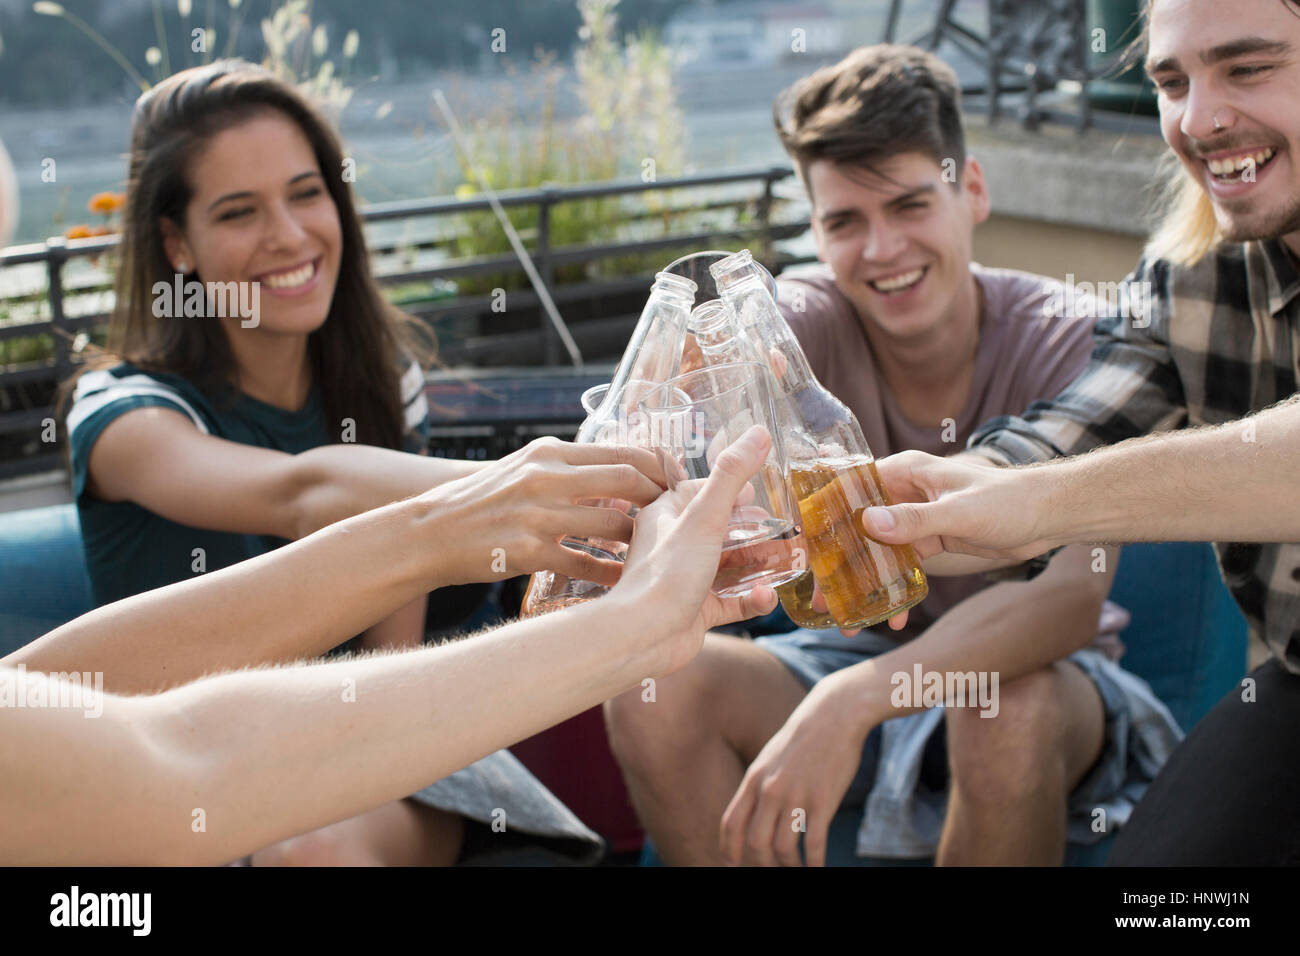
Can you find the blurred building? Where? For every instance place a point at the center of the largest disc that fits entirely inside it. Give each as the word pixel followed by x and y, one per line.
pixel 756 33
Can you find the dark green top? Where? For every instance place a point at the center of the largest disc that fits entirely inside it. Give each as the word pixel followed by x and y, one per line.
pixel 130 549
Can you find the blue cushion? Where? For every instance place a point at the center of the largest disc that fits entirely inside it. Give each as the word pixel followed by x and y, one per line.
pixel 43 579
pixel 1187 638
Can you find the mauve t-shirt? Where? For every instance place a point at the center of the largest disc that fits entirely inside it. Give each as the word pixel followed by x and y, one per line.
pixel 1025 352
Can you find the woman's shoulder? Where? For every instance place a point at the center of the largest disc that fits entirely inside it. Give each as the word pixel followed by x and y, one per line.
pixel 102 395
pixel 128 375
pixel 415 407
pixel 109 391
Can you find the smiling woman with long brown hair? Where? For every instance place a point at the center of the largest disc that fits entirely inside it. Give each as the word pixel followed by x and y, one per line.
pixel 202 440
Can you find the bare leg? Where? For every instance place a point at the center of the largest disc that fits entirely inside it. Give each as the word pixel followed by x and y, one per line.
pixel 401 833
pixel 684 754
pixel 1012 774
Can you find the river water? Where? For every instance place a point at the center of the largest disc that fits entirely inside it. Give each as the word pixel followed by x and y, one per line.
pixel 62 157
pixel 406 154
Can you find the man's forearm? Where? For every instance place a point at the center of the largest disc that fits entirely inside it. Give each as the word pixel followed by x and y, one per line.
pixel 267 754
pixel 337 583
pixel 947 564
pixel 1011 629
pixel 1233 482
pixel 334 482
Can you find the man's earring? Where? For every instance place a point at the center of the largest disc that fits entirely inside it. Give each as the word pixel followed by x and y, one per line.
pixel 182 267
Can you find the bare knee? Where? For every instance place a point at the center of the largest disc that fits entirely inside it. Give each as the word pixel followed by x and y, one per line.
pixel 733 693
pixel 665 714
pixel 324 847
pixel 1017 753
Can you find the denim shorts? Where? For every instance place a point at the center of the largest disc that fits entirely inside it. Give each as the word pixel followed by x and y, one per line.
pixel 902 780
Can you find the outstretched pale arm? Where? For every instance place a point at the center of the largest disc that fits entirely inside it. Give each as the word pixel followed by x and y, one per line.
pixel 300 602
pixel 269 753
pixel 1231 482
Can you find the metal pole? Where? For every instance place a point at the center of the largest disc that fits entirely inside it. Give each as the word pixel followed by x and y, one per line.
pixel 57 253
pixel 550 343
pixel 765 212
pixel 891 24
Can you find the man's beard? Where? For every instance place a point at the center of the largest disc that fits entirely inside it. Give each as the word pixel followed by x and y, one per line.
pixel 1273 225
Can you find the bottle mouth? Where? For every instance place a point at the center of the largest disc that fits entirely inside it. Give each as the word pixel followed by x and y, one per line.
pixel 720 268
pixel 739 270
pixel 699 268
pixel 593 396
pixel 695 267
pixel 676 286
pixel 708 317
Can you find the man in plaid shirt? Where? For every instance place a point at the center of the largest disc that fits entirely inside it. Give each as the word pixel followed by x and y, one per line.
pixel 1215 356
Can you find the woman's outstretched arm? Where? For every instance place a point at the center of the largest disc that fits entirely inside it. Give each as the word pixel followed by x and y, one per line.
pixel 303 600
pixel 260 755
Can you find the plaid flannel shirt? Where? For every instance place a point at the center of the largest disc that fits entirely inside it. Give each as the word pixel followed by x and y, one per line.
pixel 1218 341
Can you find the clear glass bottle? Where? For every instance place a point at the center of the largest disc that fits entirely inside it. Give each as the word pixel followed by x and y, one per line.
pixel 653 356
pixel 832 474
pixel 715 337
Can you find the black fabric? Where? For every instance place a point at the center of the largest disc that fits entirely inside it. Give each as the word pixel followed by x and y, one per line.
pixel 1228 795
pixel 485 847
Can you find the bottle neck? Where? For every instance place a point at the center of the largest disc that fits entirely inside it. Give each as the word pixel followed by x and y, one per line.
pixel 718 334
pixel 827 427
pixel 654 352
pixel 761 322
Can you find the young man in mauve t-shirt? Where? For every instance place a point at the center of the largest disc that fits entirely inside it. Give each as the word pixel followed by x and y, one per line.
pixel 758 744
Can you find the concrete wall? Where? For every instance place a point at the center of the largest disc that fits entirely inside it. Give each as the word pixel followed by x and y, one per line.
pixel 1095 180
pixel 1065 203
pixel 1090 255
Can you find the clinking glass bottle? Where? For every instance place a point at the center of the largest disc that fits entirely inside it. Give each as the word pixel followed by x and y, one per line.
pixel 832 473
pixel 714 338
pixel 653 356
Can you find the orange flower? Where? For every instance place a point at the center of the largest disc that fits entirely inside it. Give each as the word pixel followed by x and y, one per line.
pixel 101 231
pixel 104 203
pixel 78 232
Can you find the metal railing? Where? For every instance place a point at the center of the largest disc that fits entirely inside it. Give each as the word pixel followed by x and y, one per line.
pixel 518 346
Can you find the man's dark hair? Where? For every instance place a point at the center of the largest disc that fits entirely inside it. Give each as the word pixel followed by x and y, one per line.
pixel 877 103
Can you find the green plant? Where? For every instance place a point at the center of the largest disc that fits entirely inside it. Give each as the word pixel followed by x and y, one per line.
pixel 630 125
pixel 295 50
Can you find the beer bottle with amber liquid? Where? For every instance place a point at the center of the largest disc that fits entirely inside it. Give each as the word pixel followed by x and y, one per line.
pixel 714 337
pixel 832 475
